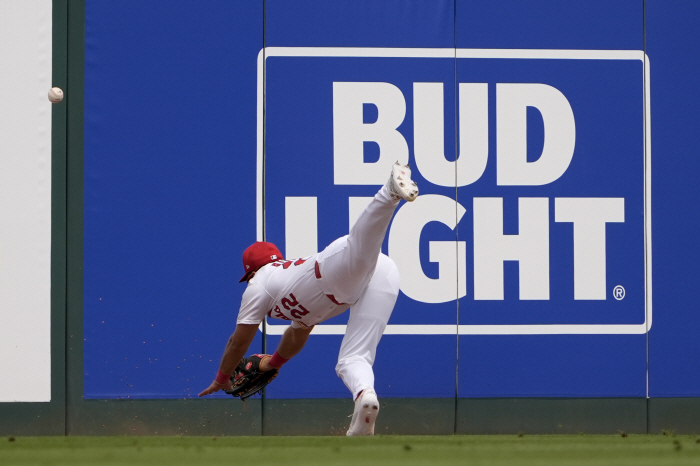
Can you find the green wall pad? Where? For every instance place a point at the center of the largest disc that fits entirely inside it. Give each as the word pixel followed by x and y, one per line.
pixel 674 415
pixel 397 416
pixel 216 417
pixel 551 415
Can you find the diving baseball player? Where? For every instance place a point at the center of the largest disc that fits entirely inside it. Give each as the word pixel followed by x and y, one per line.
pixel 349 273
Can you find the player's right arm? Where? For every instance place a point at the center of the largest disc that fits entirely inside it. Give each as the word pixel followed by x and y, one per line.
pixel 235 349
pixel 252 312
pixel 237 346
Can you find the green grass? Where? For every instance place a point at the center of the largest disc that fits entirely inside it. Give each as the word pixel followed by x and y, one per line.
pixel 539 450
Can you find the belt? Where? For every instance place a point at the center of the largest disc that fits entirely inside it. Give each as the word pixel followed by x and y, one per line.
pixel 330 296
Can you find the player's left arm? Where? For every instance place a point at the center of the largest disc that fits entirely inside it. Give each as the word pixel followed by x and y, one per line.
pixel 292 342
pixel 235 349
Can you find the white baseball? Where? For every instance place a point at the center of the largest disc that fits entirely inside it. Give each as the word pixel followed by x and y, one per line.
pixel 55 95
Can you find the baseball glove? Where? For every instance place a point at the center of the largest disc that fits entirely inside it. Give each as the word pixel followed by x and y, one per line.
pixel 248 379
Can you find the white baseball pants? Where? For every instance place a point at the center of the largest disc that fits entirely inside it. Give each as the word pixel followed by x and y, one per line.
pixel 354 272
pixel 368 319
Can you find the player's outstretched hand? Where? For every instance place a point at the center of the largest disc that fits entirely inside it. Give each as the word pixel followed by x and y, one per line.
pixel 215 387
pixel 252 375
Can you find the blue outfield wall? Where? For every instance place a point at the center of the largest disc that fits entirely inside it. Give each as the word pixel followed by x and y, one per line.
pixel 674 346
pixel 605 90
pixel 526 263
pixel 170 140
pixel 303 149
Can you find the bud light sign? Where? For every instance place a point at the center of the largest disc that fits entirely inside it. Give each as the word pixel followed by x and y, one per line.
pixel 533 168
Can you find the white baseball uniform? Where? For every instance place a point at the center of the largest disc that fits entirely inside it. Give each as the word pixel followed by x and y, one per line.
pixel 350 272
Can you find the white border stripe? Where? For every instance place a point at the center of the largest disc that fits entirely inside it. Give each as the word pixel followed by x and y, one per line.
pixel 358 52
pixel 261 147
pixel 552 54
pixel 364 52
pixel 368 52
pixel 647 186
pixel 556 329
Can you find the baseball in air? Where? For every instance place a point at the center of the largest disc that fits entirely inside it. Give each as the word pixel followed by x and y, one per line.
pixel 55 95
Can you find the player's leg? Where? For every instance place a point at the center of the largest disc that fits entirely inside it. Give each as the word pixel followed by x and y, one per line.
pixel 347 264
pixel 368 319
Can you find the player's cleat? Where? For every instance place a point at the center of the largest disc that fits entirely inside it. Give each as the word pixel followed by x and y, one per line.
pixel 366 410
pixel 400 185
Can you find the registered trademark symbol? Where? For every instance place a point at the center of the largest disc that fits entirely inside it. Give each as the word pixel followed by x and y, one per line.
pixel 619 292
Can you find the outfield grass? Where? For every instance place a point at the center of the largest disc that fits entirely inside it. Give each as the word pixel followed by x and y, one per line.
pixel 539 450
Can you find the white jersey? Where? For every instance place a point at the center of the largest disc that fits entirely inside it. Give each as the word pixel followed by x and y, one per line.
pixel 351 270
pixel 288 290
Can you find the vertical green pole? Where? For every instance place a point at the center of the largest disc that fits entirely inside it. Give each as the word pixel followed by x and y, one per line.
pixel 74 211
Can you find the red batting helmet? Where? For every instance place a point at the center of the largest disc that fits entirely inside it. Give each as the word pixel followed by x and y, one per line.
pixel 257 255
